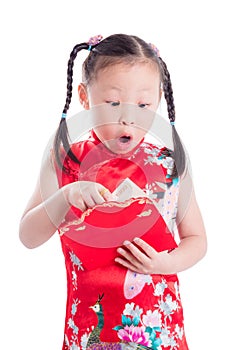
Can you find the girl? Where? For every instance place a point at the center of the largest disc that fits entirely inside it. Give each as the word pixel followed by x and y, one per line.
pixel 121 256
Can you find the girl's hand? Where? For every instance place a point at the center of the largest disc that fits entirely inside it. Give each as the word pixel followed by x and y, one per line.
pixel 142 258
pixel 87 194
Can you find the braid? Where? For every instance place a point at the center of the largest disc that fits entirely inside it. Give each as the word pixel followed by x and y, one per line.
pixel 61 136
pixel 168 92
pixel 178 154
pixel 70 65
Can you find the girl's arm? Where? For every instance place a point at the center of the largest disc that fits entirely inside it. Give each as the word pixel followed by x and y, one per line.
pixel 45 209
pixel 49 204
pixel 192 246
pixel 193 242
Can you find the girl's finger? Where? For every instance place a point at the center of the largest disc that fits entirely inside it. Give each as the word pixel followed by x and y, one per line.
pixel 127 264
pixel 77 202
pixel 88 200
pixel 80 204
pixel 139 255
pixel 128 256
pixel 97 197
pixel 150 251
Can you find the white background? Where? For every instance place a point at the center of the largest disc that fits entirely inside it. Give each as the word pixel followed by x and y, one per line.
pixel 195 39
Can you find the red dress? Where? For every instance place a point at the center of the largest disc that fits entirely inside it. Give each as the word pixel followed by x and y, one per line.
pixel 108 306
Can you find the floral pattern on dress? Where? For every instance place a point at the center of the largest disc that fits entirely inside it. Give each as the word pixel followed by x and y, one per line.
pixel 72 343
pixel 142 330
pixel 164 194
pixel 77 265
pixel 153 327
pixel 165 198
pixel 146 316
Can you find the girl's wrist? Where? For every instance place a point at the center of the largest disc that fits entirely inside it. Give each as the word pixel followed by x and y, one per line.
pixel 169 266
pixel 66 194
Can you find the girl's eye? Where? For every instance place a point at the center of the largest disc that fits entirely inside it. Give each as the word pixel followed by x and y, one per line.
pixel 143 105
pixel 113 103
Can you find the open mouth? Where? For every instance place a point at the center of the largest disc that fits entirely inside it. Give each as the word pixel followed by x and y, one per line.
pixel 125 139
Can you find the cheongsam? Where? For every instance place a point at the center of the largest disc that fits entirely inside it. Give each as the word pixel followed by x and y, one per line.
pixel 109 306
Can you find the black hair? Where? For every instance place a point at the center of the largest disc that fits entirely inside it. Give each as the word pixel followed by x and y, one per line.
pixel 118 48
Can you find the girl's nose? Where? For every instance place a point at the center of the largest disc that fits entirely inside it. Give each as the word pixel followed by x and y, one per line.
pixel 124 121
pixel 127 116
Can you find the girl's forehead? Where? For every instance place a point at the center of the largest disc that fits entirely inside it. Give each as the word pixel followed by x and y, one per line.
pixel 143 73
pixel 124 67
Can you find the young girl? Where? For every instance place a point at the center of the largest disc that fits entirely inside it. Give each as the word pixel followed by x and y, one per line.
pixel 121 256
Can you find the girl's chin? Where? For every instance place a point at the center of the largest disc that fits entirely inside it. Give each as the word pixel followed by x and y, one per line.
pixel 120 147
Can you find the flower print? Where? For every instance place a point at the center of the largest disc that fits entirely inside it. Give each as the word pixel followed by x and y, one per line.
pixel 140 331
pixel 177 291
pixel 74 279
pixel 168 306
pixel 168 163
pixel 153 156
pixel 66 340
pixel 165 337
pixel 84 340
pixel 74 306
pixel 76 261
pixel 152 319
pixel 135 335
pixel 150 192
pixel 160 156
pixel 152 160
pixel 167 340
pixel 129 310
pixel 74 345
pixel 179 331
pixel 148 279
pixel 152 151
pixel 71 324
pixel 137 312
pixel 160 287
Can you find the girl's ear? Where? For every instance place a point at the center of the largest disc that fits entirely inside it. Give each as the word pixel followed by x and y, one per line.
pixel 83 95
pixel 160 92
pixel 160 96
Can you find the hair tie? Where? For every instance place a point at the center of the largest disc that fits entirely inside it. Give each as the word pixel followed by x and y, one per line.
pixel 172 123
pixel 94 40
pixel 64 116
pixel 155 49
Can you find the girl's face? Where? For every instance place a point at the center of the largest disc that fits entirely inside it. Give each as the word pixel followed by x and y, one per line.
pixel 125 98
